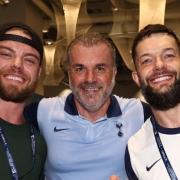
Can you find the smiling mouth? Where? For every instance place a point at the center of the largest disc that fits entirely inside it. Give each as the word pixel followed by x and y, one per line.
pixel 91 89
pixel 15 78
pixel 161 78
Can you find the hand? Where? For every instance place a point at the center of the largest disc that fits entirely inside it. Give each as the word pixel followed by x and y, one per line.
pixel 114 177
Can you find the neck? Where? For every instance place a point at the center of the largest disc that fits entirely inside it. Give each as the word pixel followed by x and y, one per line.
pixel 169 118
pixel 93 115
pixel 12 112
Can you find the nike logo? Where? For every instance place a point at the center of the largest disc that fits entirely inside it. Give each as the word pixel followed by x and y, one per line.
pixel 149 168
pixel 57 130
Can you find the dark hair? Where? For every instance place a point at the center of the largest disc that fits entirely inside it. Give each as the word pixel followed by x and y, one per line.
pixel 36 40
pixel 148 31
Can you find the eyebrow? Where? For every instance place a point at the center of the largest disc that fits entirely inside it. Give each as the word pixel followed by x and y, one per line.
pixel 5 47
pixel 101 64
pixel 78 64
pixel 143 55
pixel 168 49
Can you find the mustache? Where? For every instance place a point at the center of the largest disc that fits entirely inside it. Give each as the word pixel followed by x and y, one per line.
pixel 90 85
pixel 12 70
pixel 162 72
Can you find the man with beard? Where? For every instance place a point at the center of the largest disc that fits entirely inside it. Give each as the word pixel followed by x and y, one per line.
pixel 22 148
pixel 87 131
pixel 152 153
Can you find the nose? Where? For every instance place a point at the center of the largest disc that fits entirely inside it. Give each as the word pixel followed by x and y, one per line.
pixel 17 63
pixel 159 63
pixel 90 76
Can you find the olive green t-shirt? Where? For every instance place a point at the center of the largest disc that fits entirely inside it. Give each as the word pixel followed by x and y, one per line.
pixel 19 143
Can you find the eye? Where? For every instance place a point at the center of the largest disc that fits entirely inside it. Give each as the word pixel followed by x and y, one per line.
pixel 100 68
pixel 5 55
pixel 145 61
pixel 169 55
pixel 31 60
pixel 79 69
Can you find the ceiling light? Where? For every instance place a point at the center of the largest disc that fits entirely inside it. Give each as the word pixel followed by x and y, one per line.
pixel 115 9
pixel 48 42
pixel 45 30
pixel 6 1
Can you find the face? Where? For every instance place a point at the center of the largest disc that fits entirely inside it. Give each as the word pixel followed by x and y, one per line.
pixel 91 75
pixel 19 69
pixel 158 70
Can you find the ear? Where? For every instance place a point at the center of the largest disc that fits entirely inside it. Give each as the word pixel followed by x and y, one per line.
pixel 135 78
pixel 115 71
pixel 39 73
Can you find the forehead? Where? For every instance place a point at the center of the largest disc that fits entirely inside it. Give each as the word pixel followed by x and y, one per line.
pixel 97 53
pixel 19 32
pixel 90 45
pixel 156 42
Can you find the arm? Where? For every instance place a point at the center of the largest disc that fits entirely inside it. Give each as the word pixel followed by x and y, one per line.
pixel 129 170
pixel 147 110
pixel 30 113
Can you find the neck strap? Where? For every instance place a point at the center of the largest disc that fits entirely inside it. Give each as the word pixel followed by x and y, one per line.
pixel 10 159
pixel 162 151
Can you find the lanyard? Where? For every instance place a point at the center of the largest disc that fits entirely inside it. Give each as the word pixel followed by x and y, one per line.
pixel 11 162
pixel 162 151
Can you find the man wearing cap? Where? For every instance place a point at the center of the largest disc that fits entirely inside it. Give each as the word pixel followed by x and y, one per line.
pixel 22 148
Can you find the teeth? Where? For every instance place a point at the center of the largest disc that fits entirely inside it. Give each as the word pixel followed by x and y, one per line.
pixel 91 89
pixel 163 78
pixel 15 78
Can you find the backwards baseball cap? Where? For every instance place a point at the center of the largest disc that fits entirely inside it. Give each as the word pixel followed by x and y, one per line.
pixel 34 42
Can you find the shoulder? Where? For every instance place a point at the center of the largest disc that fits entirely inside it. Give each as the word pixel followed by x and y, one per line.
pixel 141 139
pixel 135 105
pixel 129 103
pixel 132 115
pixel 50 108
pixel 131 106
pixel 51 103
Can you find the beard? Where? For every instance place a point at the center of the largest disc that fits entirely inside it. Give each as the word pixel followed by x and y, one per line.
pixel 14 94
pixel 83 99
pixel 164 100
